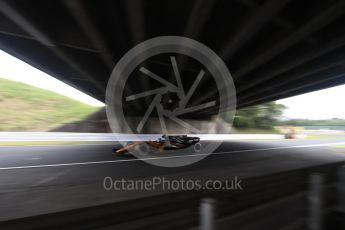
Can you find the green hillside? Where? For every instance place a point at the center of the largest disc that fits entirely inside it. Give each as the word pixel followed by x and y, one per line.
pixel 27 108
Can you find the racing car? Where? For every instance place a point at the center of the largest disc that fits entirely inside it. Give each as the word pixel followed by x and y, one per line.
pixel 175 142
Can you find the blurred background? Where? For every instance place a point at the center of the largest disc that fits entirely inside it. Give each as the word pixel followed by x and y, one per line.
pixel 287 138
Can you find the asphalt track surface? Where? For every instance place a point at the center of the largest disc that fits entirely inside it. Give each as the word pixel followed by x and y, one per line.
pixel 44 179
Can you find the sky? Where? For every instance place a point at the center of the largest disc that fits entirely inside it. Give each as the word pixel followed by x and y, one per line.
pixel 14 69
pixel 322 104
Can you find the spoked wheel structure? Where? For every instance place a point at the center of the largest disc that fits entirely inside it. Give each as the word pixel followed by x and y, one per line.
pixel 170 101
pixel 177 98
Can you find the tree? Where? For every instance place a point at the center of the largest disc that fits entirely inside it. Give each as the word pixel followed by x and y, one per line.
pixel 264 116
pixel 307 122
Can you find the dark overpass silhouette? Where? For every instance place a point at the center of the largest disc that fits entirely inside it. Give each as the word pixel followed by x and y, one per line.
pixel 274 49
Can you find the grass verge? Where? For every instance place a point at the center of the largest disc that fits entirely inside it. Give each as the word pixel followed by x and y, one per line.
pixel 27 108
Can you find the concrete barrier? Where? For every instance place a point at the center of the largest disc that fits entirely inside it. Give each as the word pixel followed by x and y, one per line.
pixel 95 137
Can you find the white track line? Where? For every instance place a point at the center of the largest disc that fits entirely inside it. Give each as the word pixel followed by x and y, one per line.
pixel 169 157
